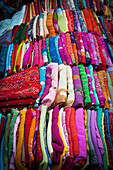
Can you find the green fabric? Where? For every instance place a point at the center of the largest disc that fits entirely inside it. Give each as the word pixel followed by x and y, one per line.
pixel 84 80
pixel 99 125
pixel 44 163
pixel 110 87
pixel 23 35
pixel 19 48
pixel 13 120
pixel 5 145
pixel 48 54
pixel 90 68
pixel 62 24
pixel 16 39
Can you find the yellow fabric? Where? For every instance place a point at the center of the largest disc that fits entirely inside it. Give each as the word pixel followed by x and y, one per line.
pixel 31 12
pixel 104 139
pixel 18 161
pixel 30 140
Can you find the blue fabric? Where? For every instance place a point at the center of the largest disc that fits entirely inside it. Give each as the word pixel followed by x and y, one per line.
pixel 72 38
pixel 8 59
pixel 91 4
pixel 107 116
pixel 6 7
pixel 82 24
pixel 93 156
pixel 111 56
pixel 102 21
pixel 75 22
pixel 1 155
pixel 57 50
pixel 52 50
pixel 84 3
pixel 3 55
pixel 76 4
pixel 42 76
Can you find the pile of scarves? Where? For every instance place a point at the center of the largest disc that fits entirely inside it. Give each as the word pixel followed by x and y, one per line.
pixel 56 87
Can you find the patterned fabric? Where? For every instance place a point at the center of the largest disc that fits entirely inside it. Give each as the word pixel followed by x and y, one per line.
pixel 23 85
pixel 13 119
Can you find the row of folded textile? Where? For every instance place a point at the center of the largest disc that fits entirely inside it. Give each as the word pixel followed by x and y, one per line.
pixel 58 139
pixel 56 87
pixel 72 125
pixel 64 33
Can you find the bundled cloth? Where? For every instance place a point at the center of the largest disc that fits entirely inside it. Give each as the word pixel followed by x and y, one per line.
pixel 20 89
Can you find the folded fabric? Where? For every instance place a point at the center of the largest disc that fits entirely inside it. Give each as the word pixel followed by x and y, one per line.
pixel 3 54
pixel 74 133
pixel 62 86
pixel 48 83
pixel 93 156
pixel 56 138
pixel 93 136
pixel 36 54
pixel 110 87
pixel 60 47
pixel 69 48
pixel 24 84
pixel 90 68
pixel 27 129
pixel 70 87
pixel 99 90
pixel 55 21
pixel 88 20
pixel 42 77
pixel 84 80
pixel 49 134
pixel 77 88
pixel 100 75
pixel 81 20
pixel 66 54
pixel 44 52
pixel 79 121
pixel 93 102
pixel 68 114
pixel 50 97
pixel 57 51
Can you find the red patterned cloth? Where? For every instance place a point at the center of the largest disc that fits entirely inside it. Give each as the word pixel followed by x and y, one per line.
pixel 20 89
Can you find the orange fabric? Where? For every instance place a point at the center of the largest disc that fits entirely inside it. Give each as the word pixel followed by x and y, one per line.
pixel 75 53
pixel 30 139
pixel 33 10
pixel 111 76
pixel 50 27
pixel 25 15
pixel 73 130
pixel 88 20
pixel 69 46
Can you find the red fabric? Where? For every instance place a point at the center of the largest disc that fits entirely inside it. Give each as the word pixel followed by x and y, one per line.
pixel 28 14
pixel 69 20
pixel 27 129
pixel 54 5
pixel 1 127
pixel 72 20
pixel 88 19
pixel 73 130
pixel 20 89
pixel 98 5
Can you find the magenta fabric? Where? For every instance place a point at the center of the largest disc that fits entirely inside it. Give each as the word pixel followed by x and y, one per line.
pixel 79 121
pixel 26 58
pixel 56 138
pixel 60 47
pixel 66 54
pixel 40 53
pixel 36 54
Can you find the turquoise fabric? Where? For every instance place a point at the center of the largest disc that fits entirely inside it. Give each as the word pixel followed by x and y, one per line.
pixel 99 125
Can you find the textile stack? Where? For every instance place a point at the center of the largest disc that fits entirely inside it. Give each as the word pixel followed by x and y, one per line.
pixel 56 85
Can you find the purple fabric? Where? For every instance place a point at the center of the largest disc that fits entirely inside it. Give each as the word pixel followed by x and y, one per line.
pixel 90 49
pixel 99 90
pixel 79 121
pixel 48 83
pixel 66 54
pixel 78 45
pixel 93 102
pixel 94 139
pixel 60 47
pixel 56 139
pixel 99 140
pixel 77 88
pixel 26 58
pixel 87 4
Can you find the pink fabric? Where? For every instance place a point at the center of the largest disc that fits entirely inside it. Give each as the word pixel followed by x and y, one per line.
pixel 40 53
pixel 36 54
